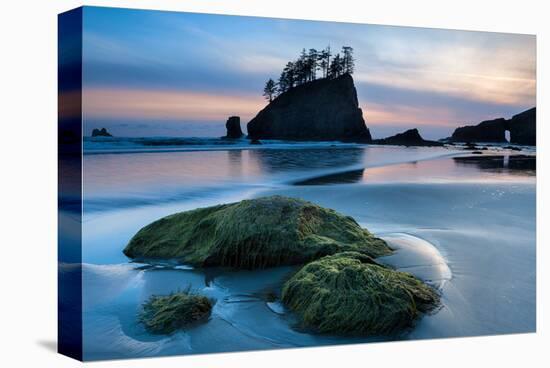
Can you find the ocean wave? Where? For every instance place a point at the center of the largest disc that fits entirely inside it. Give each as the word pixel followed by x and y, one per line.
pixel 126 145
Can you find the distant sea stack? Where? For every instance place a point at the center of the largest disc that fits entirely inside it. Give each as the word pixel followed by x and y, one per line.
pixel 321 110
pixel 486 131
pixel 522 128
pixel 233 126
pixel 410 137
pixel 101 133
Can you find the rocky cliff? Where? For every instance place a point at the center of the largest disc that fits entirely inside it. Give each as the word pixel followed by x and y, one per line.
pixel 522 128
pixel 324 109
pixel 486 131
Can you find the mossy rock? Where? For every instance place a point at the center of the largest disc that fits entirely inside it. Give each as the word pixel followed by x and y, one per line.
pixel 166 314
pixel 256 233
pixel 350 294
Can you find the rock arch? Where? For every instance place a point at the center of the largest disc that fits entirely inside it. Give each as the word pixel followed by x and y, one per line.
pixel 522 128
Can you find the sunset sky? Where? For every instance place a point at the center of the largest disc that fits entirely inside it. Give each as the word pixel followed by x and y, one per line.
pixel 152 73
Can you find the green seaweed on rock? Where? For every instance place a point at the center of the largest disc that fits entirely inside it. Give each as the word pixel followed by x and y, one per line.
pixel 256 233
pixel 169 313
pixel 351 294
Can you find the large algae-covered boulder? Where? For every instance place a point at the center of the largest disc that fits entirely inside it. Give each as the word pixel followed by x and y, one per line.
pixel 350 294
pixel 256 233
pixel 166 314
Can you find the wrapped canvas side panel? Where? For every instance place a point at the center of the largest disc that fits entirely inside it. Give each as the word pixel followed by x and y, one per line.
pixel 70 183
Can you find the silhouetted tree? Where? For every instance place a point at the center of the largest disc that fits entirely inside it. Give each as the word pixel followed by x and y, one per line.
pixel 287 78
pixel 348 62
pixel 324 61
pixel 301 68
pixel 312 57
pixel 270 90
pixel 336 68
pixel 304 69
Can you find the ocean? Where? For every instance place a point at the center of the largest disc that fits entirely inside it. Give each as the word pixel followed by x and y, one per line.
pixel 464 223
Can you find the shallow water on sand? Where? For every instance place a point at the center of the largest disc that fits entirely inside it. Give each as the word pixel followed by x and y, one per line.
pixel 465 225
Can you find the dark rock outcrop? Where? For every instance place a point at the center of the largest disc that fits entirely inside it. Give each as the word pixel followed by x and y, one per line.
pixel 101 133
pixel 233 126
pixel 522 129
pixel 486 131
pixel 321 110
pixel 410 137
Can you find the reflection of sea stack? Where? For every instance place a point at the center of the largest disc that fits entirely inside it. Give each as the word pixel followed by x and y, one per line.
pixel 323 109
pixel 101 133
pixel 233 126
pixel 410 137
pixel 522 128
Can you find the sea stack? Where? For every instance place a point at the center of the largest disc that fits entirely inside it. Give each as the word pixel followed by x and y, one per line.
pixel 522 128
pixel 486 131
pixel 233 126
pixel 321 110
pixel 410 137
pixel 101 133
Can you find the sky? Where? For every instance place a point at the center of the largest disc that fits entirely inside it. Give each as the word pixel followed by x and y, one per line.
pixel 155 73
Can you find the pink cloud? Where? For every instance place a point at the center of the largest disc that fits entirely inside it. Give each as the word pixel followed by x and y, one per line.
pixel 167 104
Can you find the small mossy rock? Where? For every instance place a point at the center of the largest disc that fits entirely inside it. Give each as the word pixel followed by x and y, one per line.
pixel 351 294
pixel 167 314
pixel 256 233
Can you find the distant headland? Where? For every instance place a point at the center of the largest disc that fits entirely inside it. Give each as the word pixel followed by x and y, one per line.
pixel 522 128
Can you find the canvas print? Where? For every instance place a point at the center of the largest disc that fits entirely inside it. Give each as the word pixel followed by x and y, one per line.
pixel 233 183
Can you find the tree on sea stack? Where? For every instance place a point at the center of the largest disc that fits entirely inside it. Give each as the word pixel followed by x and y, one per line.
pixel 270 90
pixel 348 62
pixel 336 68
pixel 304 69
pixel 324 60
pixel 287 78
pixel 312 59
